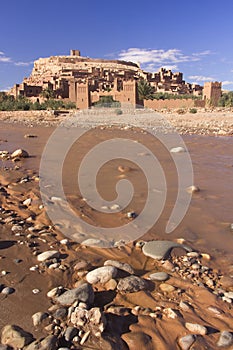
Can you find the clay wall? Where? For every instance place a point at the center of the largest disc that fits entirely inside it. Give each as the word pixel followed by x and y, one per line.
pixel 173 104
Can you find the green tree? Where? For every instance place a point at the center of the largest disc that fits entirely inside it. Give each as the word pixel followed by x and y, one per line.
pixel 145 90
pixel 48 93
pixel 226 100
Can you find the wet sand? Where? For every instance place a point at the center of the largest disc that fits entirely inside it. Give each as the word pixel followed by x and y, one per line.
pixel 205 228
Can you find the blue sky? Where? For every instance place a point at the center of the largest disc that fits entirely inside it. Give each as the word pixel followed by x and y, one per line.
pixel 194 37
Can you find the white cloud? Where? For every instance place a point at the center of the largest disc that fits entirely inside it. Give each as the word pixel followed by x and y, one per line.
pixel 159 58
pixel 1 53
pixel 227 82
pixel 200 78
pixel 23 64
pixel 5 59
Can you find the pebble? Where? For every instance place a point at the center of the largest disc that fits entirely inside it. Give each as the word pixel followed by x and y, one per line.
pixel 184 306
pixel 83 293
pixel 35 291
pixel 177 150
pixel 225 339
pixel 101 274
pixel 193 189
pixel 228 295
pixel 131 215
pixel 159 276
pixel 186 342
pixel 38 317
pixel 131 284
pixel 55 292
pixel 70 333
pixel 120 265
pixel 27 202
pixel 20 153
pixel 196 328
pixel 111 284
pixel 159 249
pixel 167 288
pixel 7 290
pixel 50 254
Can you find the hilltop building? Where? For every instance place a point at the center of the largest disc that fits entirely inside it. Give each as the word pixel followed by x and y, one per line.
pixel 85 80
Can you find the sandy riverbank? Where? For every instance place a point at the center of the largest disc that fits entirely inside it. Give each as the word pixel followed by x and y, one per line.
pixel 188 308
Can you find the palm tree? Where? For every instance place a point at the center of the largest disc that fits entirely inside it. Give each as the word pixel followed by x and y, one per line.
pixel 145 90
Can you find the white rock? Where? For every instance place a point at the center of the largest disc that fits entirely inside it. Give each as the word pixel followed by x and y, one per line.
pixel 225 339
pixel 186 341
pixel 20 153
pixel 177 150
pixel 38 317
pixel 196 328
pixel 101 274
pixel 49 254
pixel 27 202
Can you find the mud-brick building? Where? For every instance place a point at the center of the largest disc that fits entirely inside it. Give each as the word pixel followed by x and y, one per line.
pixel 85 80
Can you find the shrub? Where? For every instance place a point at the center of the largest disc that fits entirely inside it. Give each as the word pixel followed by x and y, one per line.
pixel 118 111
pixel 193 110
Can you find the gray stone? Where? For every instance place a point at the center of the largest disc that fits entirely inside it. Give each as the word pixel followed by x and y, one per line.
pixel 159 276
pixel 229 295
pixel 49 254
pixel 196 328
pixel 15 336
pixel 120 265
pixel 60 313
pixel 101 274
pixel 160 249
pixel 186 341
pixel 38 317
pixel 70 333
pixel 131 284
pixel 48 343
pixel 225 339
pixel 82 293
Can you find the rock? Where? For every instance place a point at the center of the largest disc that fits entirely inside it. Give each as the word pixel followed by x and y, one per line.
pixel 55 292
pixel 60 313
pixel 29 136
pixel 225 339
pixel 131 215
pixel 82 293
pixel 101 274
pixel 120 265
pixel 38 317
pixel 170 313
pixel 49 254
pixel 70 333
pixel 7 290
pixel 15 336
pixel 48 343
pixel 184 306
pixel 20 153
pixel 92 320
pixel 196 328
pixel 159 276
pixel 160 249
pixel 167 288
pixel 186 342
pixel 177 150
pixel 111 284
pixel 193 189
pixel 228 295
pixel 131 284
pixel 27 202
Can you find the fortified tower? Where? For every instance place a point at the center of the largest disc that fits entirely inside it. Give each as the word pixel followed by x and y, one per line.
pixel 212 92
